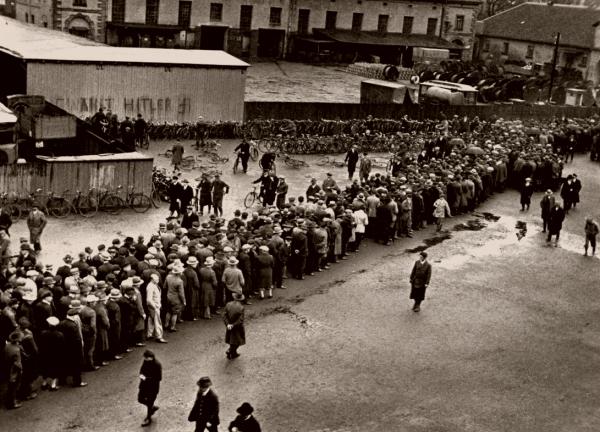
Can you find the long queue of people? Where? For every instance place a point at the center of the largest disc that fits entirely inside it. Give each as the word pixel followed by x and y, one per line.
pixel 107 301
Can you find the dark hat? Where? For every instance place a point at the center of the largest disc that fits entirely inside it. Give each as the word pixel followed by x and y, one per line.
pixel 15 336
pixel 204 382
pixel 245 409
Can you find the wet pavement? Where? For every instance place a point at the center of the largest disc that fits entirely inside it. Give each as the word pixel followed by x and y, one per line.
pixel 507 339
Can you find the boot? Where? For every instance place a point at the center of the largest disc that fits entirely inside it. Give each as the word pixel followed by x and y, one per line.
pixel 262 294
pixel 270 293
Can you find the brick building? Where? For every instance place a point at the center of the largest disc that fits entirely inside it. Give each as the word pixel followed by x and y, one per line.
pixel 527 34
pixel 86 18
pixel 276 28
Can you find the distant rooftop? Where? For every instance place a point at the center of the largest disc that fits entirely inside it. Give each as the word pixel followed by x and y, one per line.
pixel 539 22
pixel 36 43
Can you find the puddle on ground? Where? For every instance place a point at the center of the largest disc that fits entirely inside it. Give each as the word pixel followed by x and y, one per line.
pixel 470 225
pixel 429 242
pixel 488 216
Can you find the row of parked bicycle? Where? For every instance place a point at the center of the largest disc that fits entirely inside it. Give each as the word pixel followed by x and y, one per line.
pixel 77 203
pixel 257 129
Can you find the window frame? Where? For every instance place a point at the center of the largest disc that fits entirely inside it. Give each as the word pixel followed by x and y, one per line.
pixel 505 48
pixel 181 19
pixel 329 14
pixel 246 17
pixel 530 51
pixel 407 23
pixel 459 19
pixel 303 15
pixel 357 21
pixel 383 19
pixel 275 16
pixel 152 11
pixel 215 12
pixel 429 31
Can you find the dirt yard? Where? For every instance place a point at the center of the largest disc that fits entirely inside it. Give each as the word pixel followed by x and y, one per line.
pixel 299 82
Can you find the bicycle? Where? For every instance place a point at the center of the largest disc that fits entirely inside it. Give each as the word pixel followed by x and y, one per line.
pixel 139 202
pixel 108 201
pixel 251 197
pixel 293 163
pixel 9 205
pixel 50 204
pixel 81 204
pixel 236 164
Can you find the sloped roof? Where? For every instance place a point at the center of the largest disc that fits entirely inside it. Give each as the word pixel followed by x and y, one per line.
pixel 539 22
pixel 389 39
pixel 6 115
pixel 36 43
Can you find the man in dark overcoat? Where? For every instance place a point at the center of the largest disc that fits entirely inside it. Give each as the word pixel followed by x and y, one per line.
pixel 235 335
pixel 419 280
pixel 555 220
pixel 546 204
pixel 205 411
pixel 352 159
pixel 70 327
pixel 150 377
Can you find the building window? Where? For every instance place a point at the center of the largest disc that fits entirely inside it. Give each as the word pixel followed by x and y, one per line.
pixel 246 17
pixel 529 53
pixel 80 3
pixel 407 24
pixel 460 23
pixel 486 46
pixel 330 20
pixel 26 17
pixel 275 16
pixel 118 11
pixel 303 20
pixel 216 11
pixel 505 48
pixel 357 19
pixel 583 61
pixel 431 26
pixel 152 12
pixel 382 23
pixel 185 13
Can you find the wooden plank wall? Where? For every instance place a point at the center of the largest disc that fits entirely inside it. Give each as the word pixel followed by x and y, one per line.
pixel 59 177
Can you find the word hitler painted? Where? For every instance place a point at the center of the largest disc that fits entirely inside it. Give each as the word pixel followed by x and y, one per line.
pixel 149 107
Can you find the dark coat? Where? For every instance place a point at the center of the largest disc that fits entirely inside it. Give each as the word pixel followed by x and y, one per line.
pixel 51 348
pixel 419 278
pixel 148 389
pixel 264 271
pixel 546 204
pixel 244 424
pixel 234 315
pixel 205 409
pixel 73 349
pixel 555 219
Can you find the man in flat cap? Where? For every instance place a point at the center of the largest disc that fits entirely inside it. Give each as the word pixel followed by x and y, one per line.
pixel 205 411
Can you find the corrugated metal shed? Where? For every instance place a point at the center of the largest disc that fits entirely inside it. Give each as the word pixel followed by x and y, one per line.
pixel 80 76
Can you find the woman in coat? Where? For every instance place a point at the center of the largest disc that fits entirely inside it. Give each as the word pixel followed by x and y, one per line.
pixel 192 289
pixel 205 193
pixel 51 349
pixel 175 295
pixel 235 335
pixel 102 329
pixel 150 377
pixel 208 287
pixel 264 272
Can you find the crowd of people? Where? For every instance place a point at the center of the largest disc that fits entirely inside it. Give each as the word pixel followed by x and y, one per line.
pixel 106 301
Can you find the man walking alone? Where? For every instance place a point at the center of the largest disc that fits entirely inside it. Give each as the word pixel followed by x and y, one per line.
pixel 419 280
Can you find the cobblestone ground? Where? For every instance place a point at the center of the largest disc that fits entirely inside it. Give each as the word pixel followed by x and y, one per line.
pixel 281 81
pixel 507 339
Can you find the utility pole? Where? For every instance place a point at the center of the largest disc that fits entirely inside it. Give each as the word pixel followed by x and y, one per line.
pixel 554 59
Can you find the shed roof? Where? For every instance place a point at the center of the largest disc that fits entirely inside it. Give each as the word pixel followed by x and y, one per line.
pixel 6 115
pixel 39 44
pixel 539 22
pixel 130 156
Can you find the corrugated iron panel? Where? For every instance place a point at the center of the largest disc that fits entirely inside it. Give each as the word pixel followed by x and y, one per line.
pixel 171 94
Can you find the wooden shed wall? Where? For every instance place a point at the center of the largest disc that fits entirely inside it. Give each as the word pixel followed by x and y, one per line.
pixel 159 93
pixel 80 175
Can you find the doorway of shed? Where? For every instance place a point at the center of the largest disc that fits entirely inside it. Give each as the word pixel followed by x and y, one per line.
pixel 212 37
pixel 270 43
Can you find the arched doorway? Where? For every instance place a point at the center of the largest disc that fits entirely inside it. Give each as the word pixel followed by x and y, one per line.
pixel 456 54
pixel 80 25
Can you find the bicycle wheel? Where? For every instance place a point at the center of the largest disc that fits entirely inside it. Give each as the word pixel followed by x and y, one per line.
pixel 112 204
pixel 140 203
pixel 87 207
pixel 264 146
pixel 155 198
pixel 59 207
pixel 254 153
pixel 145 144
pixel 14 211
pixel 249 200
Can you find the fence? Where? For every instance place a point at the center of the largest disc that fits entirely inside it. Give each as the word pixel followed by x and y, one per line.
pixel 79 173
pixel 344 111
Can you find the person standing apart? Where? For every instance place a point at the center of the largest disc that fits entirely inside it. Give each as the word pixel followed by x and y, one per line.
pixel 245 421
pixel 154 305
pixel 219 189
pixel 282 190
pixel 419 280
pixel 150 377
pixel 365 168
pixel 177 157
pixel 440 210
pixel 36 222
pixel 235 335
pixel 526 193
pixel 591 231
pixel 205 411
pixel 546 204
pixel 352 159
pixel 243 152
pixel 555 220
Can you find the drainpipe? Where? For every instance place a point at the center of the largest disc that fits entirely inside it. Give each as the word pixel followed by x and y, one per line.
pixel 290 23
pixel 442 16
